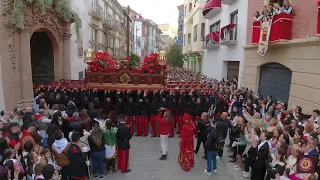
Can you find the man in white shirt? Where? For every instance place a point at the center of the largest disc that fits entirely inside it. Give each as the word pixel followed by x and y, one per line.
pixel 316 115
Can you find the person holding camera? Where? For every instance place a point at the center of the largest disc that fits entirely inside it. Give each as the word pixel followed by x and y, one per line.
pixel 164 120
pixel 213 145
pixel 202 132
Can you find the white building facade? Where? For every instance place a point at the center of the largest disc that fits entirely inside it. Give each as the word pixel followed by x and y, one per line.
pixel 138 38
pixel 104 28
pixel 226 31
pixel 193 34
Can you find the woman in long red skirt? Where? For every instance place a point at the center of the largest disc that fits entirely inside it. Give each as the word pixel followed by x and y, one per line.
pixel 187 132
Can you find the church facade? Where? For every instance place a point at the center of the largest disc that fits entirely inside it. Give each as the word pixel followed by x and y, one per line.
pixel 39 50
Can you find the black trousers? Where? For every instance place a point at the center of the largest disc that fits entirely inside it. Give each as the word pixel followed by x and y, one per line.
pixel 65 172
pixel 246 167
pixel 111 163
pixel 199 141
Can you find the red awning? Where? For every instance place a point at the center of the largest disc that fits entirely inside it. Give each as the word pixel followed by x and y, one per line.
pixel 210 5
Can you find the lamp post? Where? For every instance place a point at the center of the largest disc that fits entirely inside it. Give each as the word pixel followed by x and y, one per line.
pixel 88 56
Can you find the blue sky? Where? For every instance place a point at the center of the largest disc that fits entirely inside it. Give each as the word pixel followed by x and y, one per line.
pixel 160 11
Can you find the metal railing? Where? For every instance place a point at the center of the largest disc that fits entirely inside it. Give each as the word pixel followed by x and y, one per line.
pixel 107 21
pixel 210 43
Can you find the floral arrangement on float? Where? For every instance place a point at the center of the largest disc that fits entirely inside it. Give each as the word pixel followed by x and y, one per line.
pixel 153 64
pixel 102 62
pixel 131 63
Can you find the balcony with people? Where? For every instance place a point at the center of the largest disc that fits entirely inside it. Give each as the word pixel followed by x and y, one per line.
pixel 211 8
pixel 280 18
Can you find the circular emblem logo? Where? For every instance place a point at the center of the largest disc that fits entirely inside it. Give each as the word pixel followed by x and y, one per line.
pixel 305 164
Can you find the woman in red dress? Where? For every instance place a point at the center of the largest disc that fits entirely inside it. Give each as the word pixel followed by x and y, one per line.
pixel 186 155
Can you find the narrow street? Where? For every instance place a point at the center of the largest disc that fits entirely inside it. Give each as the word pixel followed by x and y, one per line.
pixel 145 163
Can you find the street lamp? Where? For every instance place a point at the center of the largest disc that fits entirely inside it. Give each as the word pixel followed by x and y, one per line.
pixel 88 55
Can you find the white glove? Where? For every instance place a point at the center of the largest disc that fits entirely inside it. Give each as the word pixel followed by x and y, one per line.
pixel 85 149
pixel 234 144
pixel 88 163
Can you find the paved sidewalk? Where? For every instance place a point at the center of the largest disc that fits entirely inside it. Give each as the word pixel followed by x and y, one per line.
pixel 145 163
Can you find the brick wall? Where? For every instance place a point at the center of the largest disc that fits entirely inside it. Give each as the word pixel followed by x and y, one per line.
pixel 305 13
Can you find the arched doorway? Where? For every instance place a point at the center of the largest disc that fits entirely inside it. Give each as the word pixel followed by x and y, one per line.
pixel 275 80
pixel 42 58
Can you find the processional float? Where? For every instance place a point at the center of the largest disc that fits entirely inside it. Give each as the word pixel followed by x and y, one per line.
pixel 105 73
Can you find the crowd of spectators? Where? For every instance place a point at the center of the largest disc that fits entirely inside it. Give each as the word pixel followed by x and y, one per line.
pixel 266 135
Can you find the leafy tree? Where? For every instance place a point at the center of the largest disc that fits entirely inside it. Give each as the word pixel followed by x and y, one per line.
pixel 175 57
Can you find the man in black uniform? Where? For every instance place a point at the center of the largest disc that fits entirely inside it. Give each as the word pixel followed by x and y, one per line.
pixel 145 114
pixel 129 107
pixel 154 107
pixel 123 138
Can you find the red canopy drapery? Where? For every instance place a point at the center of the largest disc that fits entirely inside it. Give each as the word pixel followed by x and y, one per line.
pixel 318 25
pixel 214 36
pixel 228 28
pixel 256 32
pixel 281 27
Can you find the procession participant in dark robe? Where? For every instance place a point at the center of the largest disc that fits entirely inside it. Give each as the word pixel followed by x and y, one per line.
pixel 186 155
pixel 108 105
pixel 154 106
pixel 120 104
pixel 84 99
pixel 94 98
pixel 123 143
pixel 138 113
pixel 65 96
pixel 181 107
pixel 75 96
pixel 58 98
pixel 163 100
pixel 145 114
pixel 206 104
pixel 172 106
pixel 129 107
pixel 50 96
pixel 198 110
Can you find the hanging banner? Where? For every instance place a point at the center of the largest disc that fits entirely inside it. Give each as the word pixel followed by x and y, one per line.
pixel 264 37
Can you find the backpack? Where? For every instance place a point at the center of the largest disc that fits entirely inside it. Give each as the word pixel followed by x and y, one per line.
pixel 218 140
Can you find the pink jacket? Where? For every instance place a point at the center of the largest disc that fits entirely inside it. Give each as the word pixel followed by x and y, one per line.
pixel 294 177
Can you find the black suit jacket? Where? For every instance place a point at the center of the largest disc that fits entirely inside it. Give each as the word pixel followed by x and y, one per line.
pixel 262 156
pixel 123 137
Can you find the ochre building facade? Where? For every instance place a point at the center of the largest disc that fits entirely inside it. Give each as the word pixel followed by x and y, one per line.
pixel 290 68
